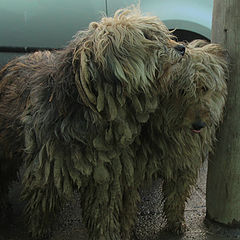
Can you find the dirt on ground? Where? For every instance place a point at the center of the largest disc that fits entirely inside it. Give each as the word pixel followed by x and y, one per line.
pixel 149 226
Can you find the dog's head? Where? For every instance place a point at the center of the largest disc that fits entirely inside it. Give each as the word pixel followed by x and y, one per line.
pixel 129 52
pixel 199 90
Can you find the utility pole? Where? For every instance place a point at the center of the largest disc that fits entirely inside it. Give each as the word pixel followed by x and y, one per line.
pixel 223 183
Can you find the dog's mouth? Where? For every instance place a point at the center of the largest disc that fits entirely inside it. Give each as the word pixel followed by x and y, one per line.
pixel 198 126
pixel 196 131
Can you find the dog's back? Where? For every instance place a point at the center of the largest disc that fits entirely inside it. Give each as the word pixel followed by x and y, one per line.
pixel 15 79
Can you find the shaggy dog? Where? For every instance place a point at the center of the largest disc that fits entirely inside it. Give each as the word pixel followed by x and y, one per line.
pixel 73 115
pixel 181 132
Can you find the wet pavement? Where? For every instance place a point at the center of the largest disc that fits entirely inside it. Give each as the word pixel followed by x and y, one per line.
pixel 149 226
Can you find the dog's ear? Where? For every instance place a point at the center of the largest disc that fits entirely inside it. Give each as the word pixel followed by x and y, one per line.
pixel 212 48
pixel 220 55
pixel 123 54
pixel 216 49
pixel 98 92
pixel 85 71
pixel 197 43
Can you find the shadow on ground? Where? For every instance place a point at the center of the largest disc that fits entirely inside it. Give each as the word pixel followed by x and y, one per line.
pixel 149 226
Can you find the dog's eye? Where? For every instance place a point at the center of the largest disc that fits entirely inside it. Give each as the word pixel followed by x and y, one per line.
pixel 204 89
pixel 182 92
pixel 148 36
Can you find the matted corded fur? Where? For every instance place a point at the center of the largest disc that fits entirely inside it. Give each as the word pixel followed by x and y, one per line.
pixel 73 114
pixel 181 132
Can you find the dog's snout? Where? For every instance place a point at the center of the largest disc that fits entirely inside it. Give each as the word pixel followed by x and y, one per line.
pixel 180 49
pixel 197 126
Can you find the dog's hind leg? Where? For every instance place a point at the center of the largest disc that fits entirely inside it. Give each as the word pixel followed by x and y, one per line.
pixel 8 173
pixel 4 180
pixel 10 162
pixel 176 192
pixel 43 199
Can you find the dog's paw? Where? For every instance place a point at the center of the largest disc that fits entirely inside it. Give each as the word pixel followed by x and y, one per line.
pixel 177 228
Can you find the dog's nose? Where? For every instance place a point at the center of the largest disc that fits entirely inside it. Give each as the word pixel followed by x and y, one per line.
pixel 180 49
pixel 198 125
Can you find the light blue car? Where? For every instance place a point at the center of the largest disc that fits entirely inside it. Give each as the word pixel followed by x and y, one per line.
pixel 28 25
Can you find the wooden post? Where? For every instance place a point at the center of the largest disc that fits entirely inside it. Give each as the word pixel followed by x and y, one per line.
pixel 223 183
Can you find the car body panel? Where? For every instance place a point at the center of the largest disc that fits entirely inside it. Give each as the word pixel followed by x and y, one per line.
pixel 45 23
pixel 39 24
pixel 190 15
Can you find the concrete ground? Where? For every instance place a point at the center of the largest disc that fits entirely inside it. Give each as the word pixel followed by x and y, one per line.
pixel 150 223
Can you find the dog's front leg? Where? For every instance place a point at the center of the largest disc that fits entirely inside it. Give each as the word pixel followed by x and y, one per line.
pixel 100 209
pixel 176 191
pixel 128 216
